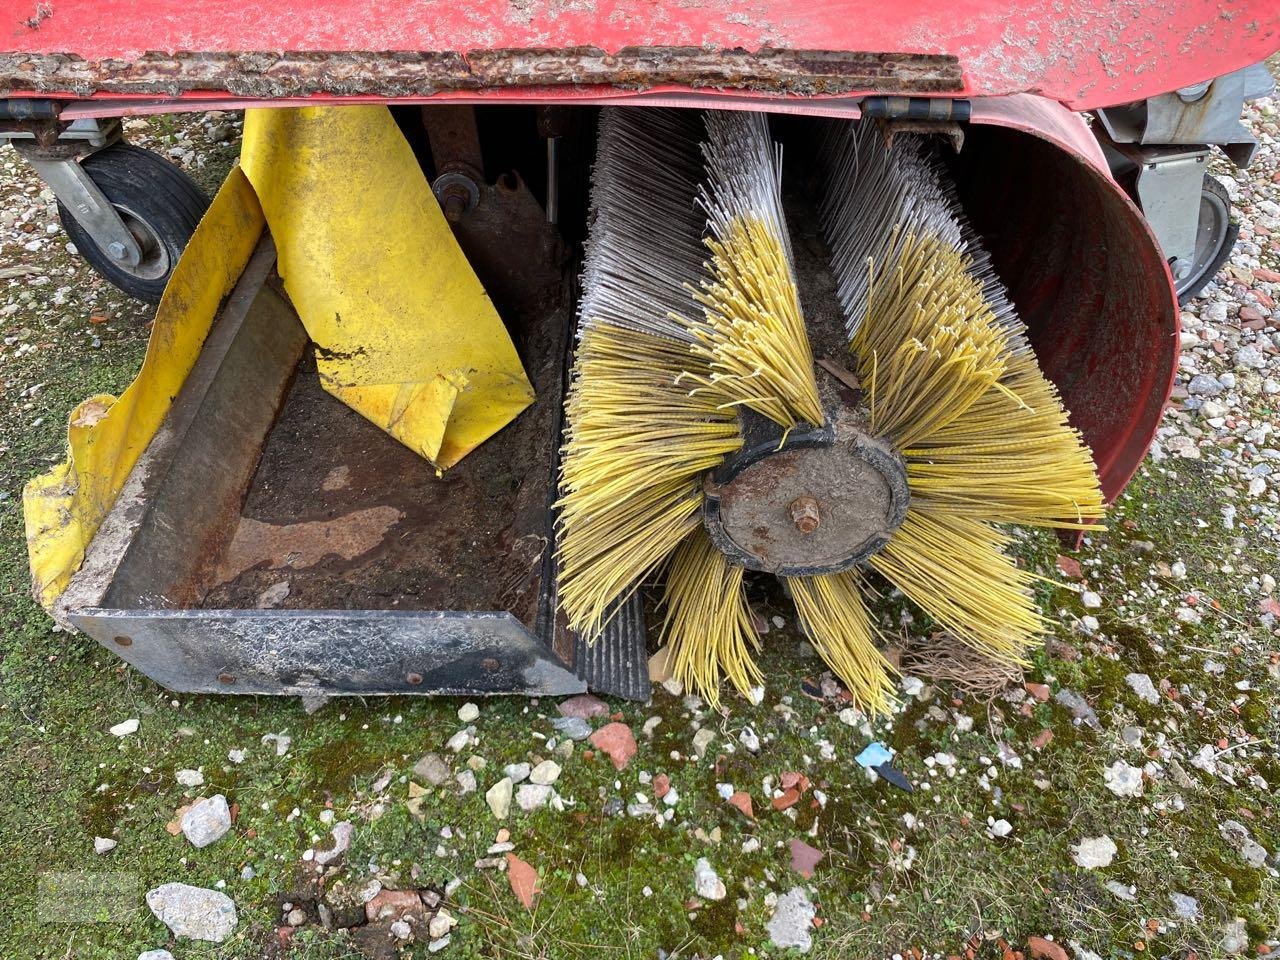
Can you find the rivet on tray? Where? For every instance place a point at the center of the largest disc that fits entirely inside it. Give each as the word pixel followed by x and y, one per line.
pixel 491 664
pixel 414 678
pixel 124 641
pixel 226 678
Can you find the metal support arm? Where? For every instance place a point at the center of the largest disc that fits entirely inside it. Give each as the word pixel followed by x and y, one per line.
pixel 81 196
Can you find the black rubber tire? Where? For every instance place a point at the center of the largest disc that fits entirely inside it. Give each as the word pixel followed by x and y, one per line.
pixel 154 192
pixel 1211 192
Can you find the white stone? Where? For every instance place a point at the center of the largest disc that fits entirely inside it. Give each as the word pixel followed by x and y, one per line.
pixel 468 712
pixel 518 772
pixel 342 833
pixel 1094 852
pixel 125 727
pixel 545 773
pixel 401 930
pixel 498 797
pixel 1213 410
pixel 532 796
pixel 103 844
pixel 706 883
pixel 850 717
pixel 1235 937
pixel 282 741
pixel 197 913
pixel 702 740
pixel 1185 906
pixel 189 778
pixel 207 821
pixel 1091 600
pixel 441 924
pixel 1141 684
pixel 458 742
pixel 1123 779
pixel 792 920
pixel 1121 891
pixel 155 955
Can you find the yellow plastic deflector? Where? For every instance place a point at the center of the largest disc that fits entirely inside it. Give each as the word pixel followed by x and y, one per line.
pixel 105 436
pixel 404 332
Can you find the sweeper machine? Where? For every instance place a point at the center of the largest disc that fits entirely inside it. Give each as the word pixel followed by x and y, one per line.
pixel 528 338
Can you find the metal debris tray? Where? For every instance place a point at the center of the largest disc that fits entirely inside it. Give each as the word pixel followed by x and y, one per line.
pixel 272 541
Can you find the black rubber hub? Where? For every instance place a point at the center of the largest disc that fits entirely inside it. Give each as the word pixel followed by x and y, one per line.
pixel 821 501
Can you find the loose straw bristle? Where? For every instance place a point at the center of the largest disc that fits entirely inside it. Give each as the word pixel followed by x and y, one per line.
pixel 956 570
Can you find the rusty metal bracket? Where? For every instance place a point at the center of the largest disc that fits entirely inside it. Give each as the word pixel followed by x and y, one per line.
pixel 928 116
pixel 506 234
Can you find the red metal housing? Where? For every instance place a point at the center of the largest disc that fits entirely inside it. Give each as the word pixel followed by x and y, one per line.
pixel 1085 54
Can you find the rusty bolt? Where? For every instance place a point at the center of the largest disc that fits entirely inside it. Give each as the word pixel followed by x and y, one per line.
pixel 455 202
pixel 804 514
pixel 124 641
pixel 414 679
pixel 490 665
pixel 226 678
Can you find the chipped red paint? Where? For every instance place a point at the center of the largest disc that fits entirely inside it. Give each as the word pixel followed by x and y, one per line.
pixel 1084 53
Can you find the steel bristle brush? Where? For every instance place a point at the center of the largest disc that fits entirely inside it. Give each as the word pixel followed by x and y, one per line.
pixel 690 326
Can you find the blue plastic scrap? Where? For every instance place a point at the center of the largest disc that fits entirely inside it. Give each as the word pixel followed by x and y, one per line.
pixel 875 754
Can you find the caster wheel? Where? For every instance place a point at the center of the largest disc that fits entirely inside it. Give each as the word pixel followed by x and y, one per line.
pixel 159 204
pixel 1215 236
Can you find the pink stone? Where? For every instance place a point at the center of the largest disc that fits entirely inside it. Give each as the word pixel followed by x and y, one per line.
pixel 804 858
pixel 742 800
pixel 584 705
pixel 661 785
pixel 396 905
pixel 615 739
pixel 523 879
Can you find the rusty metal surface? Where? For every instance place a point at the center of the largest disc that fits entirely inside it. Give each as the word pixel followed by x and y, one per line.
pixel 515 252
pixel 1087 53
pixel 418 74
pixel 851 486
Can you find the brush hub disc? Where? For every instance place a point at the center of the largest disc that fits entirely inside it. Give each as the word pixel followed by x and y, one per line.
pixel 824 502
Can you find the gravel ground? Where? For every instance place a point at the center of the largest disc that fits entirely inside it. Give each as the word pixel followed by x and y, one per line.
pixel 1116 802
pixel 1228 391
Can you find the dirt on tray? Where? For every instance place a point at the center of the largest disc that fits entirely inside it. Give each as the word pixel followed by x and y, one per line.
pixel 349 518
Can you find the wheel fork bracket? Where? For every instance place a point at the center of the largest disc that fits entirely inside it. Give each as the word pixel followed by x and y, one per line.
pixel 81 196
